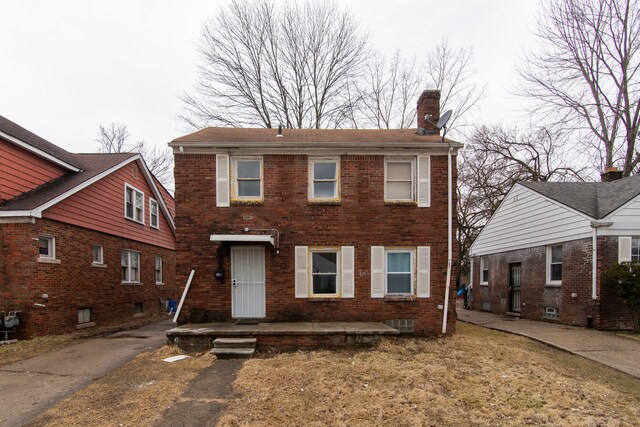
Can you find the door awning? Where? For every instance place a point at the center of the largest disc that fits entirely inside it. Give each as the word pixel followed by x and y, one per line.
pixel 257 238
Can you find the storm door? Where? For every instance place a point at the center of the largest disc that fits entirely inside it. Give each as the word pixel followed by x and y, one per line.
pixel 515 272
pixel 247 281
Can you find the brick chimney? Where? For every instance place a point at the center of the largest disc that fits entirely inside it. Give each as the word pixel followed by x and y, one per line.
pixel 429 105
pixel 611 174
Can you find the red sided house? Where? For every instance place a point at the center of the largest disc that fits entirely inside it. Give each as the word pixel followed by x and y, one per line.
pixel 318 225
pixel 535 256
pixel 85 239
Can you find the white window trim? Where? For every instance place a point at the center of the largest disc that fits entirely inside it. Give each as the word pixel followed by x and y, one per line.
pixel 482 269
pixel 388 160
pixel 129 252
pixel 330 249
pixel 83 310
pixel 412 270
pixel 155 269
pixel 153 201
pixel 99 263
pixel 51 248
pixel 234 180
pixel 135 190
pixel 312 163
pixel 549 281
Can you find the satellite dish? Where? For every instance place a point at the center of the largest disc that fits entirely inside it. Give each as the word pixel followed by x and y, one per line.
pixel 442 122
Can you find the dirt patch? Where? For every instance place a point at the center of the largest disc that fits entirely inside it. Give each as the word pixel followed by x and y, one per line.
pixel 477 377
pixel 134 395
pixel 25 349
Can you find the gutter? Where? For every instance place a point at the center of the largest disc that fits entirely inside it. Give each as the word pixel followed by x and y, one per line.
pixel 449 239
pixel 594 256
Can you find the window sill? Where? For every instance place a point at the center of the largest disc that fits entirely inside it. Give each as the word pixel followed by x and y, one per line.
pixel 159 283
pixel 131 283
pixel 48 260
pixel 484 284
pixel 400 298
pixel 98 265
pixel 325 202
pixel 246 202
pixel 400 203
pixel 552 285
pixel 85 325
pixel 324 299
pixel 136 315
pixel 133 220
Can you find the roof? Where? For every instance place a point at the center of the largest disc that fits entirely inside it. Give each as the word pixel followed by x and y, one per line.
pixel 595 199
pixel 91 165
pixel 243 135
pixel 35 142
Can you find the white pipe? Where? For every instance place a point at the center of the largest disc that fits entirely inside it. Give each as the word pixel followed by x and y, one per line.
pixel 594 263
pixel 449 241
pixel 184 295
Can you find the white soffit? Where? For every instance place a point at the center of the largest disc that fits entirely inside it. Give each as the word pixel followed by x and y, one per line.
pixel 261 238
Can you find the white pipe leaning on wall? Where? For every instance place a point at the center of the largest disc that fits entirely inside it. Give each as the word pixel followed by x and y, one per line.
pixel 184 295
pixel 449 241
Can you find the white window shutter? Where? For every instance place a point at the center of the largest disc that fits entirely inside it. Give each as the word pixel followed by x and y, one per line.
pixel 222 180
pixel 624 249
pixel 423 272
pixel 424 182
pixel 377 271
pixel 302 275
pixel 347 261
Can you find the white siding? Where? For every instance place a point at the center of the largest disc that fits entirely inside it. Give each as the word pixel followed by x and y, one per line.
pixel 626 220
pixel 526 219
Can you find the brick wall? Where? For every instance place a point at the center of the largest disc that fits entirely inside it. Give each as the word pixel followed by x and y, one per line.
pixel 361 219
pixel 74 283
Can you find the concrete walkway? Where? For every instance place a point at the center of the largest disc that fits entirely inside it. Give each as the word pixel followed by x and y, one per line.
pixel 607 348
pixel 31 386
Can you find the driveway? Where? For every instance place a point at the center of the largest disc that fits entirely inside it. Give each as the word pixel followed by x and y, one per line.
pixel 31 386
pixel 607 348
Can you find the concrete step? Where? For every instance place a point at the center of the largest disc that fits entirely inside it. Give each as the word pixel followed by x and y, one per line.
pixel 229 353
pixel 234 342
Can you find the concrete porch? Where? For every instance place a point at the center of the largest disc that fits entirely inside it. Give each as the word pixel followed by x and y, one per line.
pixel 283 336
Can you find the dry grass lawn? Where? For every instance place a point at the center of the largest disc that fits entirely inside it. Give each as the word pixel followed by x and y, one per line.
pixel 477 377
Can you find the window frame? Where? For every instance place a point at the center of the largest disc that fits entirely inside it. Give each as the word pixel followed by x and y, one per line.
pixel 82 319
pixel 234 179
pixel 93 258
pixel 412 161
pixel 484 266
pixel 338 272
pixel 51 247
pixel 129 267
pixel 635 243
pixel 412 271
pixel 312 180
pixel 128 187
pixel 549 263
pixel 153 202
pixel 161 270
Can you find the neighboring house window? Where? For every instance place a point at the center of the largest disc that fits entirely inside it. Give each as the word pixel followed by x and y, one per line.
pixel 154 219
pixel 399 272
pixel 133 204
pixel 138 308
pixel 554 265
pixel 46 247
pixel 635 250
pixel 158 269
pixel 324 179
pixel 84 315
pixel 399 176
pixel 484 270
pixel 130 266
pixel 247 178
pixel 98 254
pixel 324 272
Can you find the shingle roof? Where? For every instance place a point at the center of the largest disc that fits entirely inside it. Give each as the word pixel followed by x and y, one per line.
pixel 219 134
pixel 596 199
pixel 16 131
pixel 91 165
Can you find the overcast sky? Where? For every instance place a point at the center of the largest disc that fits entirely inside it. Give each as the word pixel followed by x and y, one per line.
pixel 68 66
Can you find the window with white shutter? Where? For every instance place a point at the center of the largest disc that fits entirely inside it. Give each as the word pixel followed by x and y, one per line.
pixel 347 265
pixel 399 179
pixel 423 272
pixel 302 276
pixel 222 180
pixel 377 272
pixel 424 182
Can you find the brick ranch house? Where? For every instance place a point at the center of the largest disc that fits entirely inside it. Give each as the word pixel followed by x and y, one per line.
pixel 85 239
pixel 318 225
pixel 534 258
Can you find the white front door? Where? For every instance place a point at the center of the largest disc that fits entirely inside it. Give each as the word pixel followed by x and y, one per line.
pixel 247 281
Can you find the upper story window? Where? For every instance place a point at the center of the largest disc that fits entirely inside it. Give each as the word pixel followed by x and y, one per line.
pixel 133 204
pixel 154 219
pixel 484 270
pixel 46 247
pixel 130 266
pixel 247 178
pixel 399 179
pixel 554 265
pixel 399 272
pixel 324 182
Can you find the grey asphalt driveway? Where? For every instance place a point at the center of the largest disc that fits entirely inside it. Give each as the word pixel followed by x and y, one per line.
pixel 607 348
pixel 30 387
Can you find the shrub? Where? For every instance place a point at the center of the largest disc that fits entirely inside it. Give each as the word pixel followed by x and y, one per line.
pixel 624 280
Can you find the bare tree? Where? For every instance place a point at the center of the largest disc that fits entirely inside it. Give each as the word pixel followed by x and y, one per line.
pixel 115 139
pixel 586 76
pixel 263 65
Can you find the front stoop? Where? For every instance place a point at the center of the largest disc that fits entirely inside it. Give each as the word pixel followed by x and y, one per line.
pixel 228 348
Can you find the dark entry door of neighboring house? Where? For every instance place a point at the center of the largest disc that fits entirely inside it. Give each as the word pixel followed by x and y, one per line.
pixel 515 272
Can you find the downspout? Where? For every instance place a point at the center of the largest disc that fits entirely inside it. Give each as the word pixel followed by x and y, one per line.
pixel 594 256
pixel 449 240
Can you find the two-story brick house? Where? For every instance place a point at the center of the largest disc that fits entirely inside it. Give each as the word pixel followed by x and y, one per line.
pixel 318 225
pixel 85 239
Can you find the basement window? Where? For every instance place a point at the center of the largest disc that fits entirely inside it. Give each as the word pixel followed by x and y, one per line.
pixel 84 316
pixel 137 308
pixel 551 313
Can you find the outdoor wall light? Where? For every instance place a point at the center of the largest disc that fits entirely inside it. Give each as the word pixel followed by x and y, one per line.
pixel 219 275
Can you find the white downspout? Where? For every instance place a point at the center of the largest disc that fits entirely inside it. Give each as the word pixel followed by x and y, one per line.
pixel 184 295
pixel 449 240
